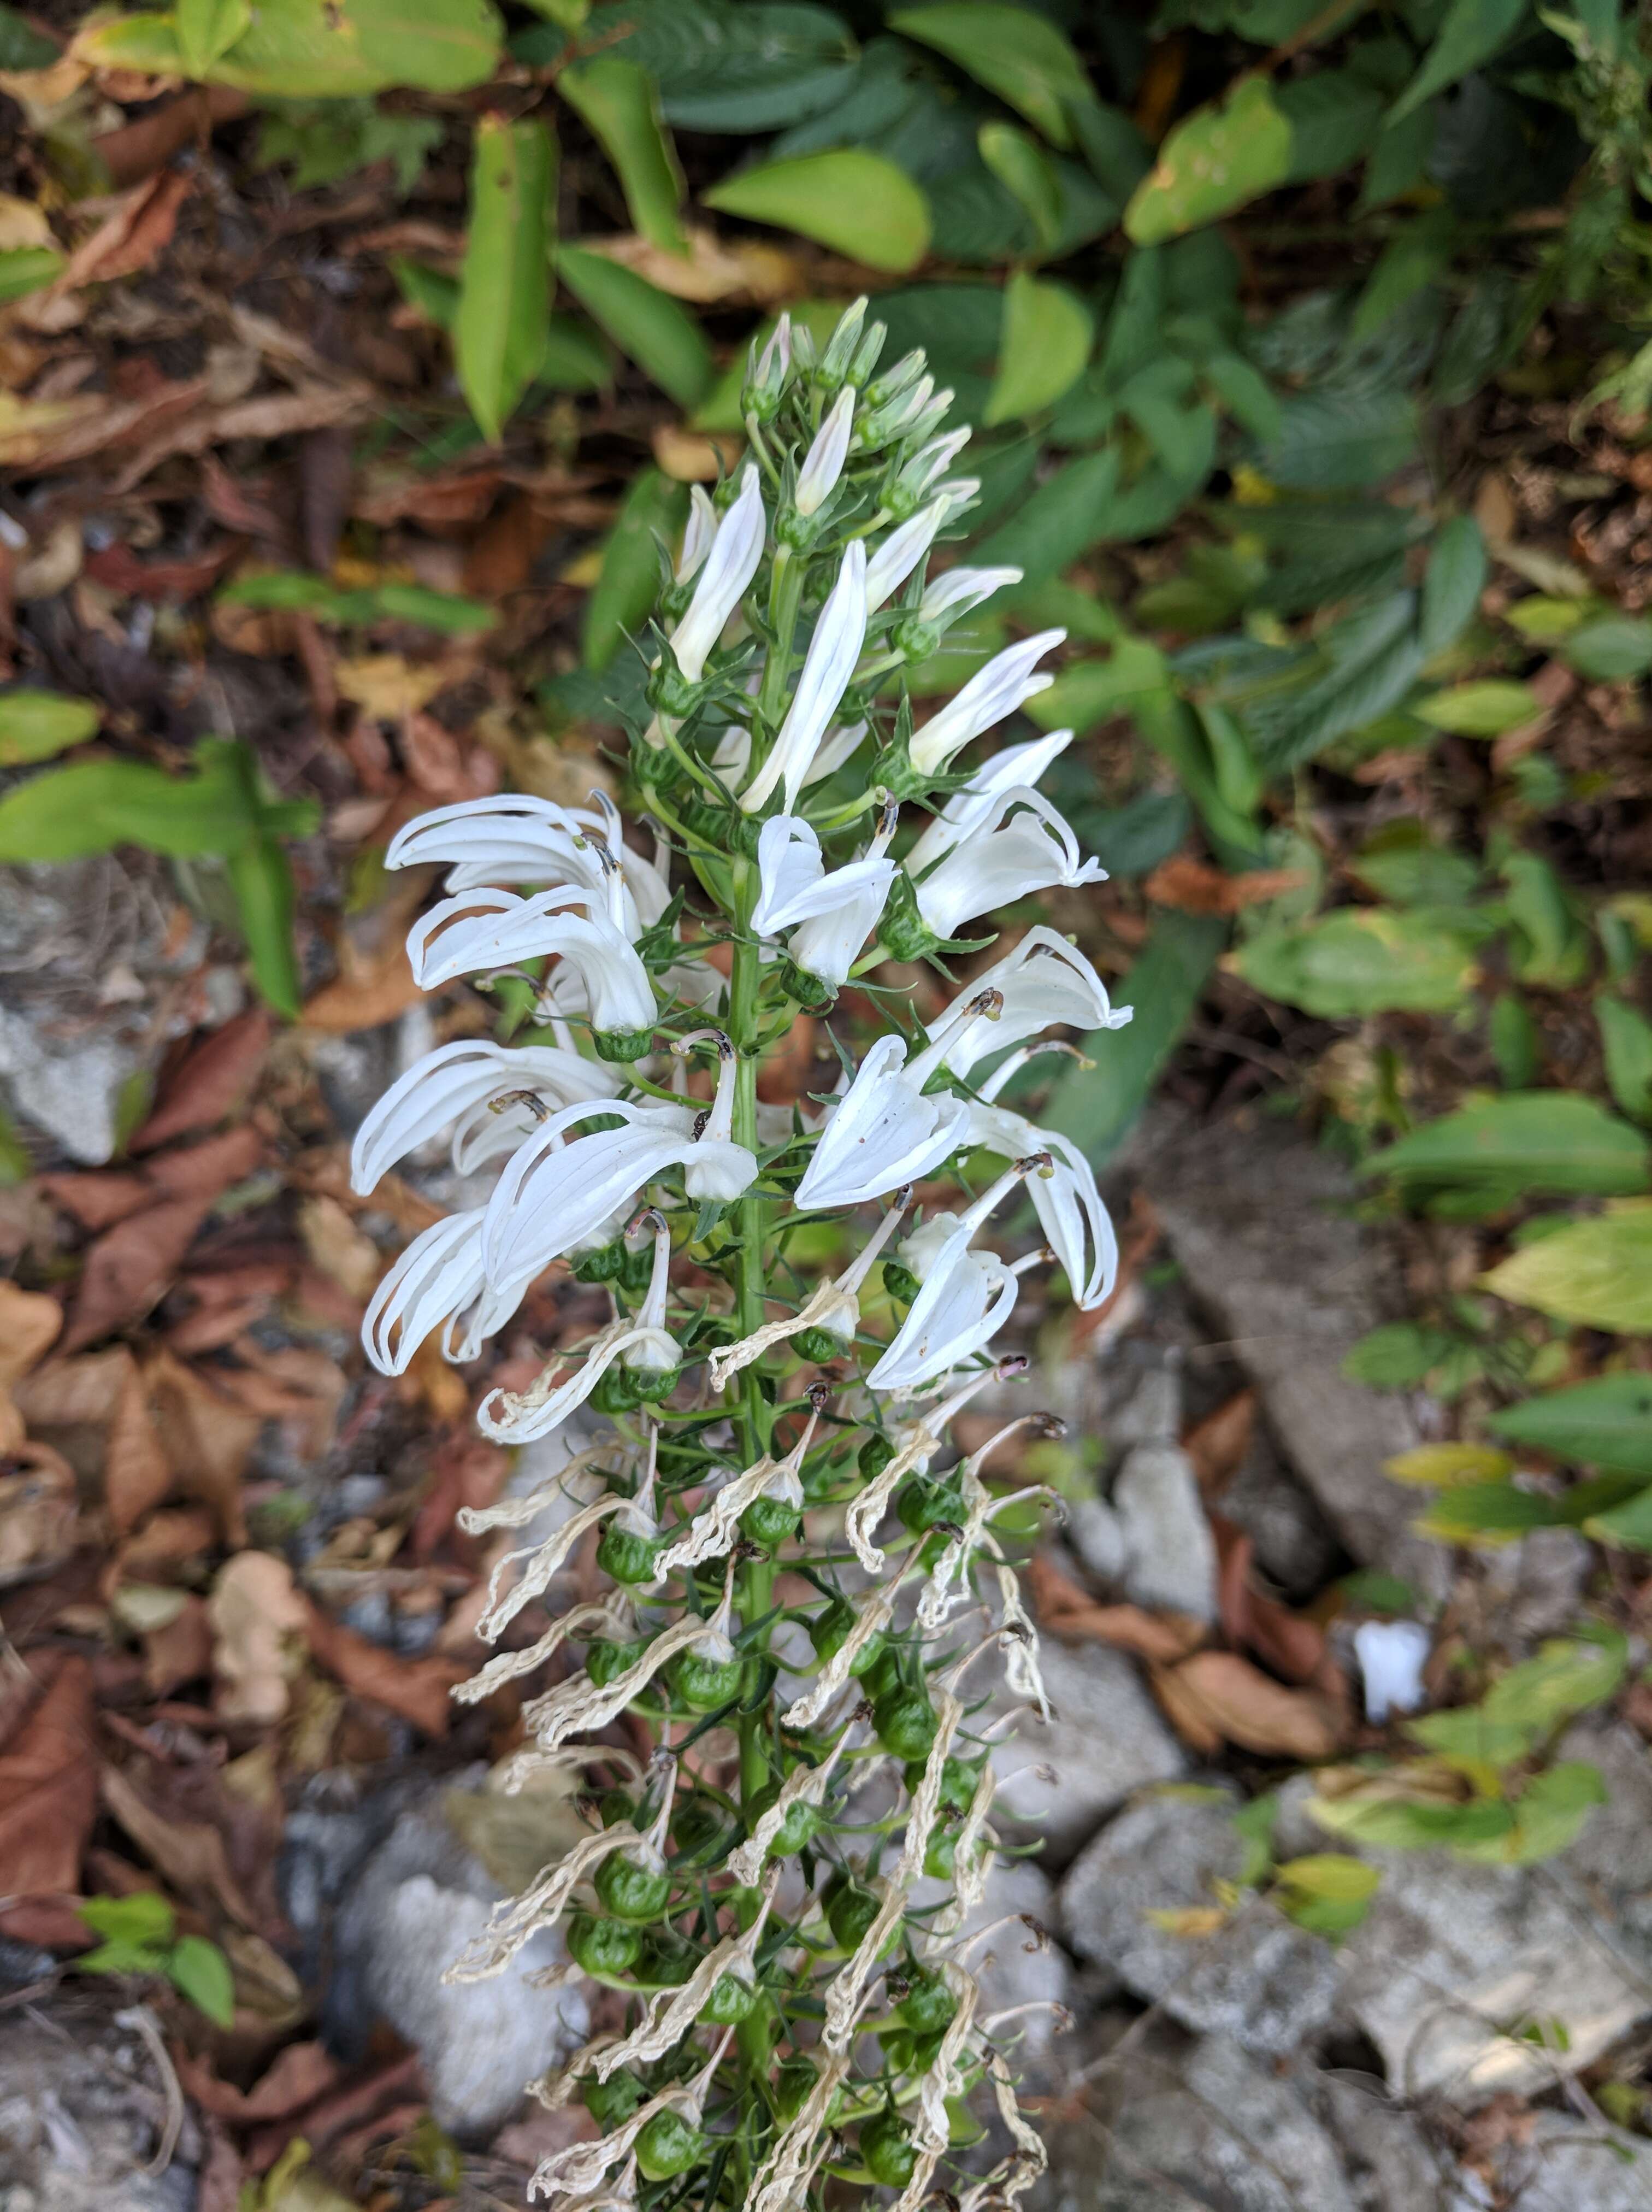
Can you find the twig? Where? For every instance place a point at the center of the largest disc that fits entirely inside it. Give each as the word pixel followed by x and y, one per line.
pixel 142 2022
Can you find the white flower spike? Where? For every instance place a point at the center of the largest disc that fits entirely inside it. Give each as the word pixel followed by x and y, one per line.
pixel 827 666
pixel 1020 845
pixel 884 1131
pixel 724 577
pixel 965 1297
pixel 1007 681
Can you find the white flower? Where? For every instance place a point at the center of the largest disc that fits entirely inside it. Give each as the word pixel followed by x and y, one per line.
pixel 1043 980
pixel 837 911
pixel 965 1297
pixel 433 1282
pixel 483 931
pixel 697 537
pixel 514 839
pixel 471 1082
pixel 1076 1226
pixel 1016 764
pixel 554 1195
pixel 884 1131
pixel 726 571
pixel 961 590
pixel 921 474
pixel 1020 846
pixel 1006 682
pixel 902 550
pixel 818 477
pixel 1392 1655
pixel 834 1306
pixel 827 666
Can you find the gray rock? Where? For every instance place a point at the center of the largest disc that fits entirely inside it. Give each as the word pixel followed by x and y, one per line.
pixel 1258 1218
pixel 1097 1535
pixel 1535 1588
pixel 1296 1547
pixel 1391 2166
pixel 1106 1739
pixel 83 2111
pixel 1195 2130
pixel 418 1900
pixel 1170 1552
pixel 1569 2166
pixel 1259 1981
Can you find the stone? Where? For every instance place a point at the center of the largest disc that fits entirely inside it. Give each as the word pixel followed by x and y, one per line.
pixel 1170 1552
pixel 1534 1588
pixel 1105 1741
pixel 1259 1981
pixel 1566 2166
pixel 1261 1221
pixel 1097 1535
pixel 422 1893
pixel 1170 2127
pixel 83 2111
pixel 1390 2165
pixel 1295 1546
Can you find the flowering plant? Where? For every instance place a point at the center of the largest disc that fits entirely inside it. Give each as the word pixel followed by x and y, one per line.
pixel 794 2012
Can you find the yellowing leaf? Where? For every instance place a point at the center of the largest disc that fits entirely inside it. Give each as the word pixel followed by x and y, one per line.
pixel 857 202
pixel 35 725
pixel 1485 709
pixel 1046 341
pixel 1213 162
pixel 1440 1465
pixel 1598 1273
pixel 1187 1920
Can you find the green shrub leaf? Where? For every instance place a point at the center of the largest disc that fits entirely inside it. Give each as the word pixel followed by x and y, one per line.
pixel 857 202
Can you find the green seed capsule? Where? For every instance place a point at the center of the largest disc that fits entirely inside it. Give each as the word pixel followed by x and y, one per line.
pixel 849 1912
pixel 794 2084
pixel 603 1947
pixel 626 1556
pixel 668 2145
pixel 905 1722
pixel 667 1959
pixel 770 1521
pixel 704 1685
pixel 730 2001
pixel 899 1282
pixel 829 1631
pixel 623 1044
pixel 919 1504
pixel 699 1827
pixel 941 1856
pixel 605 1661
pixel 928 2004
pixel 883 1678
pixel 632 1889
pixel 649 1386
pixel 874 1456
pixel 959 1778
pixel 887 2150
pixel 612 2103
pixel 799 1828
pixel 611 1393
pixel 602 1266
pixel 818 1345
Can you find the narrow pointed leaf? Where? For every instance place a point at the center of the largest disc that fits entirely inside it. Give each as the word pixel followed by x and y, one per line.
pixel 504 295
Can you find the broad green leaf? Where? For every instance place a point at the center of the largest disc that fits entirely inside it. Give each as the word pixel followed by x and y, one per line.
pixel 1216 159
pixel 1046 341
pixel 116 1956
pixel 1414 871
pixel 296 589
pixel 1114 150
pixel 721 65
pixel 1482 710
pixel 1629 1525
pixel 629 582
pixel 1467 1738
pixel 1334 114
pixel 21 46
pixel 857 202
pixel 1549 944
pixel 35 725
pixel 200 1970
pixel 266 901
pixel 1413 257
pixel 1614 650
pixel 1397 1356
pixel 648 326
pixel 25 269
pixel 1443 1466
pixel 1549 1815
pixel 1025 59
pixel 1361 960
pixel 1396 1823
pixel 1486 1514
pixel 1627 1038
pixel 618 101
pixel 1604 1423
pixel 319 49
pixel 504 288
pixel 1023 168
pixel 207 28
pixel 1068 514
pixel 1515 1045
pixel 1336 440
pixel 1088 692
pixel 446 611
pixel 1598 1273
pixel 1533 1140
pixel 144 1917
pixel 1546 621
pixel 1452 584
pixel 1566 1677
pixel 1471 33
pixel 94 805
pixel 575 357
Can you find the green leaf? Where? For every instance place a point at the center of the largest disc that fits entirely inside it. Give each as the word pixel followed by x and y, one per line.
pixel 1396 1357
pixel 1022 57
pixel 648 326
pixel 35 725
pixel 629 582
pixel 618 99
pixel 720 66
pixel 119 1957
pixel 1468 1739
pixel 95 805
pixel 1216 161
pixel 1614 650
pixel 1452 584
pixel 144 1917
pixel 1393 1823
pixel 1046 341
pixel 1448 1466
pixel 1515 1045
pixel 1598 1273
pixel 1415 254
pixel 1114 150
pixel 320 50
pixel 855 202
pixel 266 902
pixel 25 269
pixel 1068 514
pixel 1023 168
pixel 1626 1037
pixel 1089 692
pixel 1361 960
pixel 1604 1423
pixel 1533 1140
pixel 21 46
pixel 200 1970
pixel 1333 115
pixel 1566 1677
pixel 1629 1525
pixel 1338 440
pixel 1549 1815
pixel 504 286
pixel 207 28
pixel 1471 33
pixel 1482 710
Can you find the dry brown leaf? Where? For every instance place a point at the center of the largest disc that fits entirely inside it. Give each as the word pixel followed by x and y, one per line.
pixel 1065 1610
pixel 178 1651
pixel 66 1393
pixel 205 1171
pixel 176 1537
pixel 130 1267
pixel 365 995
pixel 136 1472
pixel 387 688
pixel 49 1783
pixel 213 1078
pixel 97 1201
pixel 1218 1444
pixel 341 1251
pixel 137 149
pixel 38 1512
pixel 37 434
pixel 301 2074
pixel 29 1323
pixel 259 1620
pixel 419 1689
pixel 713 269
pixel 387 495
pixel 1217 1697
pixel 279 415
pixel 139 226
pixel 189 1854
pixel 1193 887
pixel 208 1439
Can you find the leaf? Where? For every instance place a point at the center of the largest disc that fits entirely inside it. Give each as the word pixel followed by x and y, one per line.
pixel 1330 1874
pixel 1333 116
pixel 213 1079
pixel 419 1689
pixel 1065 1610
pixel 318 49
pixel 648 326
pixel 504 291
pixel 49 1781
pixel 1361 960
pixel 200 1970
pixel 94 806
pixel 1629 1525
pixel 1068 514
pixel 1394 1822
pixel 618 101
pixel 1614 650
pixel 1488 1513
pixel 1597 1273
pixel 29 1323
pixel 1045 343
pixel 1415 254
pixel 1482 710
pixel 720 66
pixel 1336 440
pixel 1531 1140
pixel 1220 1692
pixel 1023 168
pixel 145 1918
pixel 1024 57
pixel 1445 1466
pixel 1471 33
pixel 267 901
pixel 21 46
pixel 207 28
pixel 858 203
pixel 1566 1677
pixel 25 269
pixel 1215 161
pixel 1604 1423
pixel 1626 1040
pixel 1549 1815
pixel 1397 1356
pixel 130 1267
pixel 629 582
pixel 1452 584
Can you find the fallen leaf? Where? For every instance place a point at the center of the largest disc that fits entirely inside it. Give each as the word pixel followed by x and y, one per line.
pixel 213 1078
pixel 130 1267
pixel 206 1170
pixel 1217 1696
pixel 208 1439
pixel 97 1201
pixel 119 569
pixel 39 1507
pixel 343 1252
pixel 219 2178
pixel 179 1650
pixel 40 434
pixel 137 1474
pixel 389 495
pixel 137 149
pixel 49 1783
pixel 1067 1612
pixel 29 1323
pixel 365 995
pixel 713 269
pixel 259 1619
pixel 278 415
pixel 1195 887
pixel 419 1689
pixel 1190 1922
pixel 300 2074
pixel 1218 1444
pixel 66 1393
pixel 387 688
pixel 174 1538
pixel 139 226
pixel 189 1854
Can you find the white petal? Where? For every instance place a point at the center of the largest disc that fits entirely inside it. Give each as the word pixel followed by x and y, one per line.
pixel 727 570
pixel 454 1081
pixel 829 663
pixel 1005 684
pixel 882 1132
pixel 1016 764
pixel 437 1276
pixel 1392 1655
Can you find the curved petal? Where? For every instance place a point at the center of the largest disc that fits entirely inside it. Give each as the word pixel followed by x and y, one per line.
pixel 1016 765
pixel 963 1302
pixel 439 1275
pixel 883 1133
pixel 553 1195
pixel 456 1080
